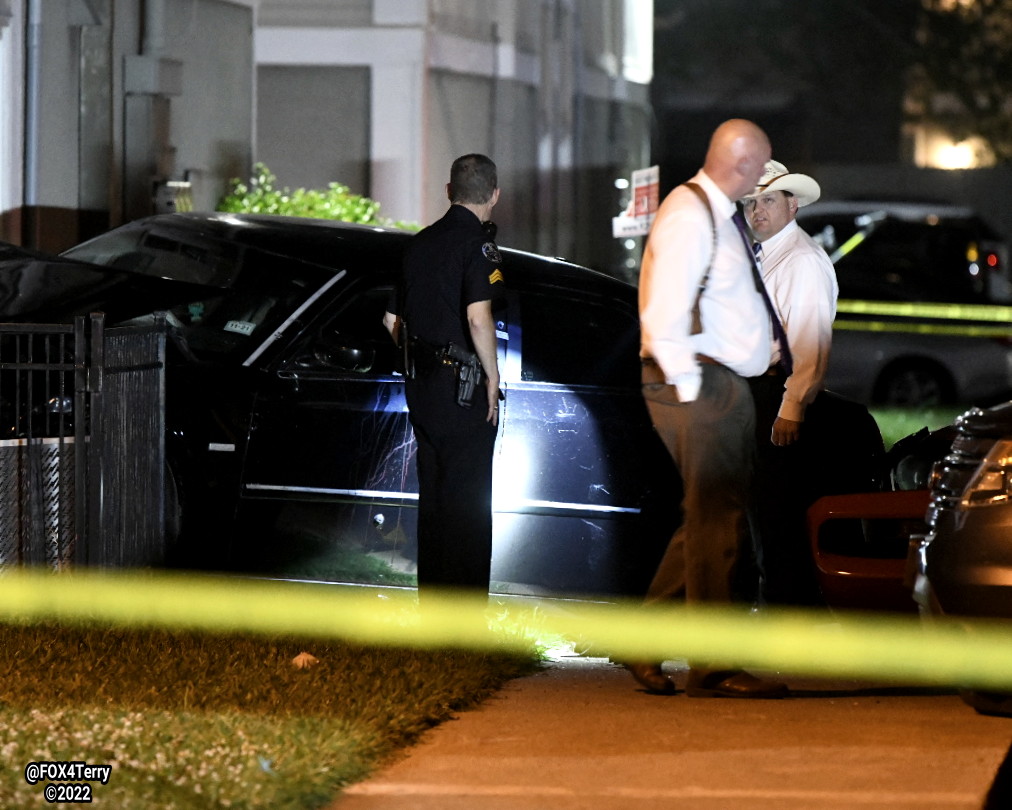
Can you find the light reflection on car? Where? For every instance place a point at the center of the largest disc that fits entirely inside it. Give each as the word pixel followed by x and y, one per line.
pixel 963 564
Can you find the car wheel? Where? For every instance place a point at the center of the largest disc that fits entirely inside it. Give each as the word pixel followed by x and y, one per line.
pixel 914 383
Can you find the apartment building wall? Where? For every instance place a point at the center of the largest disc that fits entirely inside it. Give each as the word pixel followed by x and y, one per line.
pixel 104 100
pixel 388 92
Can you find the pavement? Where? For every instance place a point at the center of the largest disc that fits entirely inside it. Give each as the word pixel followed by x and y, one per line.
pixel 582 734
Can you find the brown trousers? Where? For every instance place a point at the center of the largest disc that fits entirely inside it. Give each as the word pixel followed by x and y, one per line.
pixel 710 558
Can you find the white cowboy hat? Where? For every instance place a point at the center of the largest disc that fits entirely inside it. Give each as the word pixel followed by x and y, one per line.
pixel 775 177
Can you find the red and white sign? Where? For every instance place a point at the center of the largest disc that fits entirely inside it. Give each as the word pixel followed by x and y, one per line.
pixel 636 220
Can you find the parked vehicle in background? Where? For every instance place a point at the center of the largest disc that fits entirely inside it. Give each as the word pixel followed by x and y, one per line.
pixel 964 563
pixel 924 315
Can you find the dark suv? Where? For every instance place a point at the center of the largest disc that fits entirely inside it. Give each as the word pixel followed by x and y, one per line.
pixel 922 317
pixel 890 251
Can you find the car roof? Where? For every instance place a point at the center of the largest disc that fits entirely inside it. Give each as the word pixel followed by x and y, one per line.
pixel 915 211
pixel 315 240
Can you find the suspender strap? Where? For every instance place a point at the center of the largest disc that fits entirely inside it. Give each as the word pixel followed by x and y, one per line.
pixel 697 325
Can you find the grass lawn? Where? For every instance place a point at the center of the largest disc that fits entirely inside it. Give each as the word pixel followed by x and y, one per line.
pixel 189 720
pixel 895 423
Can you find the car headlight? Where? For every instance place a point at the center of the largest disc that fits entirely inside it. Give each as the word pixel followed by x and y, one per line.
pixel 991 484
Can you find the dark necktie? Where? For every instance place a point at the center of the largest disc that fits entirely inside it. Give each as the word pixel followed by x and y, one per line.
pixel 785 362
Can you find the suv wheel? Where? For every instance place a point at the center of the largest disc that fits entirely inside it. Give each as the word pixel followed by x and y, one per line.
pixel 914 383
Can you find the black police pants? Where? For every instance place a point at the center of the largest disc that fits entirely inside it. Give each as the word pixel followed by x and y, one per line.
pixel 455 447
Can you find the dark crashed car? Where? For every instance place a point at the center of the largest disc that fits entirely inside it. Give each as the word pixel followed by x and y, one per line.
pixel 289 451
pixel 288 442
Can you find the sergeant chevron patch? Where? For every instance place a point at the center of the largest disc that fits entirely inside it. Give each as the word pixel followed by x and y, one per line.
pixel 496 276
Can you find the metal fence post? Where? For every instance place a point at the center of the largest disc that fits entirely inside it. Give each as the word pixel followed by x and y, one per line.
pixel 96 446
pixel 82 536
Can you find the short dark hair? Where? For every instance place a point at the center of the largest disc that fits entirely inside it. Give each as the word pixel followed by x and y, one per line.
pixel 473 178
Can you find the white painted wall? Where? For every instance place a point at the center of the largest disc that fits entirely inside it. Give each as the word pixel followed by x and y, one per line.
pixel 12 82
pixel 447 75
pixel 396 60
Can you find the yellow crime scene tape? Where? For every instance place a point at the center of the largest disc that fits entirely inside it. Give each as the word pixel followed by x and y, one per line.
pixel 924 318
pixel 869 647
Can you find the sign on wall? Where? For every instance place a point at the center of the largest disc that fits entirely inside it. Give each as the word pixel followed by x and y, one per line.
pixel 637 218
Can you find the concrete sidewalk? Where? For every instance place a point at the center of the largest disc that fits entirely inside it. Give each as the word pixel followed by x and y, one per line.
pixel 581 734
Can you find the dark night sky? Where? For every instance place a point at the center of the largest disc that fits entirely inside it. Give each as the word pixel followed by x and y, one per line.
pixel 825 79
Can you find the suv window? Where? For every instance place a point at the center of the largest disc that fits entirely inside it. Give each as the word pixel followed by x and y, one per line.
pixel 886 258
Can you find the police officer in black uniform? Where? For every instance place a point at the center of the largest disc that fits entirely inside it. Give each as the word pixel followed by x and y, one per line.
pixel 452 276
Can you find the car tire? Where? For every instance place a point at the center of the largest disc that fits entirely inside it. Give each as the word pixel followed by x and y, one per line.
pixel 914 383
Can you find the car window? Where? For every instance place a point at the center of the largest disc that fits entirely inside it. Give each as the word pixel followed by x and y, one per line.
pixel 882 257
pixel 575 340
pixel 237 320
pixel 830 231
pixel 354 340
pixel 911 261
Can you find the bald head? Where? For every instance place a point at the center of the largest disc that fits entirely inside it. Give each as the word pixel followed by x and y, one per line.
pixel 737 154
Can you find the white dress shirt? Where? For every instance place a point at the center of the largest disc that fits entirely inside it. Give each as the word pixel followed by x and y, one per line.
pixel 801 281
pixel 736 328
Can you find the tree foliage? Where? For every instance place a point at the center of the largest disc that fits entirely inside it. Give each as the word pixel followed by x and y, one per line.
pixel 825 77
pixel 260 196
pixel 834 51
pixel 962 81
pixel 844 63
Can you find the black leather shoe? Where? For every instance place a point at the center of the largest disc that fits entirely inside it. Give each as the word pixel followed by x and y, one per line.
pixel 734 683
pixel 651 678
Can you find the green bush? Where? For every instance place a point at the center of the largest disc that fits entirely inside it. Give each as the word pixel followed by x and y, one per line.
pixel 260 196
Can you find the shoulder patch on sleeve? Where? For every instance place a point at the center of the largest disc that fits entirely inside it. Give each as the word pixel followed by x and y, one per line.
pixel 496 276
pixel 491 252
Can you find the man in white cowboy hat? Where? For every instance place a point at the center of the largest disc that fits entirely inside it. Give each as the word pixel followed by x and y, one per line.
pixel 801 281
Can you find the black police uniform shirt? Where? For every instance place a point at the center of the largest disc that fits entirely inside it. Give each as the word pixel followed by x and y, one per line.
pixel 447 266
